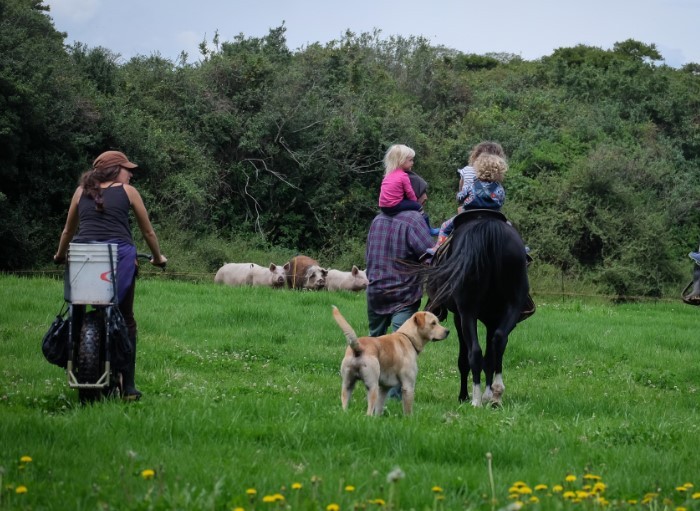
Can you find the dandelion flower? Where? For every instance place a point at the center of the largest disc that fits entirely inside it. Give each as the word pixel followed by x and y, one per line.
pixel 278 497
pixel 238 509
pixel 570 478
pixel 26 459
pixel 21 489
pixel 557 488
pixel 541 487
pixel 688 485
pixel 534 499
pixel 436 489
pixel 680 508
pixel 696 496
pixel 599 487
pixel 332 507
pixel 251 492
pixel 592 477
pixel 296 486
pixel 379 502
pixel 148 473
pixel 518 484
pixel 349 488
pixel 582 494
pixel 568 495
pixel 269 498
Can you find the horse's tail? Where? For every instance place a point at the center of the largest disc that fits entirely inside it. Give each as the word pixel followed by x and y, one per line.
pixel 350 334
pixel 475 252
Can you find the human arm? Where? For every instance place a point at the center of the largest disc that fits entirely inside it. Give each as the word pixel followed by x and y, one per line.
pixel 407 187
pixel 144 223
pixel 72 222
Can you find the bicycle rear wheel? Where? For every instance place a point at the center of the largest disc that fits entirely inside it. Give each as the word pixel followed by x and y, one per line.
pixel 90 355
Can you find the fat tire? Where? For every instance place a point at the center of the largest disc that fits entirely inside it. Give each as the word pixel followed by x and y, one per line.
pixel 89 354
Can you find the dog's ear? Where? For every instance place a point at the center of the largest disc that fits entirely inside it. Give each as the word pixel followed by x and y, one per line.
pixel 419 319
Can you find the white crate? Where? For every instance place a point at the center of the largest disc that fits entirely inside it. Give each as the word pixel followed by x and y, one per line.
pixel 90 273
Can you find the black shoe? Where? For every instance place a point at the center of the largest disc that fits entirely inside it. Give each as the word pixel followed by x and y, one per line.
pixel 131 394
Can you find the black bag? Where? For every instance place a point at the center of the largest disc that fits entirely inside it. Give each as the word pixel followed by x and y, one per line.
pixel 122 345
pixel 55 342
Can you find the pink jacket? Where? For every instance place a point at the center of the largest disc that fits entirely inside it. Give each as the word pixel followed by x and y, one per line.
pixel 396 186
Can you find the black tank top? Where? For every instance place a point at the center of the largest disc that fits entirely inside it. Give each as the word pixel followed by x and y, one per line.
pixel 111 224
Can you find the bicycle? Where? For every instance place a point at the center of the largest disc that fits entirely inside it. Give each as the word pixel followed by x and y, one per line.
pixel 90 282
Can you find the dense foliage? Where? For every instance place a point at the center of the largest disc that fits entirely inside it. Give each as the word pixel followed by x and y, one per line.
pixel 255 140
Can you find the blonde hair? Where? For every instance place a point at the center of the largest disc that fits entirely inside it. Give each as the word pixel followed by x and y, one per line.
pixel 491 168
pixel 395 156
pixel 486 147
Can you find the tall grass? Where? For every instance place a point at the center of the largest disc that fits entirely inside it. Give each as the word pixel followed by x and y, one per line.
pixel 242 393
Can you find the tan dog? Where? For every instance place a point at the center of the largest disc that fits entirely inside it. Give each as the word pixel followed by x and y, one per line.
pixel 386 361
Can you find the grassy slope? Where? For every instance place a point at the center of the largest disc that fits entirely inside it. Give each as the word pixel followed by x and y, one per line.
pixel 242 391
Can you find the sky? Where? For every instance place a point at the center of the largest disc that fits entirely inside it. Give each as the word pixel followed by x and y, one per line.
pixel 530 29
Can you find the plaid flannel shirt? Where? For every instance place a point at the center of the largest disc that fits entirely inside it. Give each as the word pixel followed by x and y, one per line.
pixel 404 236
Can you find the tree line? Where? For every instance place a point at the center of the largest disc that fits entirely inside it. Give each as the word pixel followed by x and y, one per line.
pixel 257 141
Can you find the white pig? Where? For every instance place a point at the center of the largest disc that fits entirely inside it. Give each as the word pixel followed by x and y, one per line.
pixel 354 280
pixel 251 274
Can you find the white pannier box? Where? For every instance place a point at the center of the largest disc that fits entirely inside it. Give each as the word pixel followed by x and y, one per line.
pixel 90 274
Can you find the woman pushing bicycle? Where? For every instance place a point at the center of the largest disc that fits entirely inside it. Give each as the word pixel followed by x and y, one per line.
pixel 99 212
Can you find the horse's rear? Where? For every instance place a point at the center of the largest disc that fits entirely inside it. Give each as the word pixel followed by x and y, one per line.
pixel 483 276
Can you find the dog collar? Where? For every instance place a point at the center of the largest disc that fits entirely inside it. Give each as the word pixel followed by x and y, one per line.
pixel 410 342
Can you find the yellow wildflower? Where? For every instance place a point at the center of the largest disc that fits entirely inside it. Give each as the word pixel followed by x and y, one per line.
pixel 238 509
pixel 379 502
pixel 332 507
pixel 514 496
pixel 349 488
pixel 582 494
pixel 518 484
pixel 251 492
pixel 26 459
pixel 437 489
pixel 269 499
pixel 525 490
pixel 557 488
pixel 148 473
pixel 570 478
pixel 534 499
pixel 541 487
pixel 599 487
pixel 688 485
pixel 696 495
pixel 568 495
pixel 681 489
pixel 680 508
pixel 632 501
pixel 296 486
pixel 592 477
pixel 21 489
pixel 278 497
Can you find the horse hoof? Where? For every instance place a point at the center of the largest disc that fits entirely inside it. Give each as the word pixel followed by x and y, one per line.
pixel 498 389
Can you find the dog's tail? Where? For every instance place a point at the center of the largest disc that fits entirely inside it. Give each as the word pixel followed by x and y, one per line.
pixel 350 334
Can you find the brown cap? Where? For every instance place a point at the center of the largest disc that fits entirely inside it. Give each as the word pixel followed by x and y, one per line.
pixel 112 159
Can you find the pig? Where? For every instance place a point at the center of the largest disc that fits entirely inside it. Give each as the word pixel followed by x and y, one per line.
pixel 305 273
pixel 354 280
pixel 251 274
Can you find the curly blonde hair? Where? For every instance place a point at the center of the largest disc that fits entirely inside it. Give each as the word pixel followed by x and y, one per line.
pixel 491 168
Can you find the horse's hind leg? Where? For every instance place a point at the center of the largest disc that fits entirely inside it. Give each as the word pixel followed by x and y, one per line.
pixel 469 342
pixel 497 340
pixel 462 361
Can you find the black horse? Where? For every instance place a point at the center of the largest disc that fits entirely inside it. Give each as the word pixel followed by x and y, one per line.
pixel 481 274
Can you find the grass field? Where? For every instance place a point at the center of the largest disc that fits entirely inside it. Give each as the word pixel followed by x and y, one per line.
pixel 241 409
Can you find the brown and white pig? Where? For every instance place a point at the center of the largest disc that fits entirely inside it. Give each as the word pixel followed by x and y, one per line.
pixel 305 273
pixel 353 280
pixel 251 274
